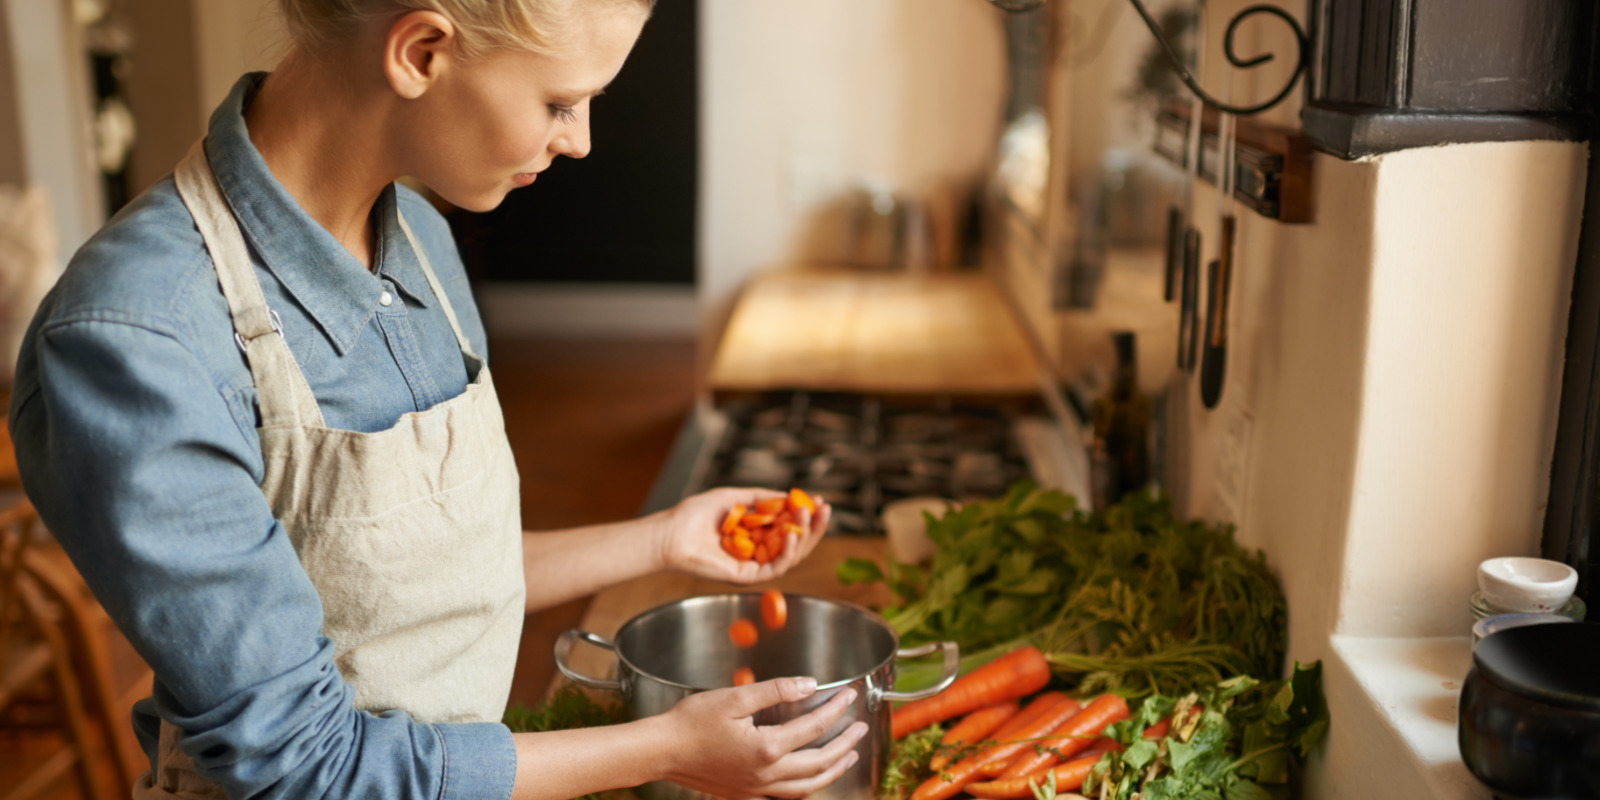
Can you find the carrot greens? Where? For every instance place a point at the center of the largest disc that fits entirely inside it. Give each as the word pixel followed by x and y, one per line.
pixel 1131 599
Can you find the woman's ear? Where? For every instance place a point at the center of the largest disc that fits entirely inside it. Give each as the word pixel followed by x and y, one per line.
pixel 417 51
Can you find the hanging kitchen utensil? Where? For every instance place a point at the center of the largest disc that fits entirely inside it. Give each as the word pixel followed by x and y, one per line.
pixel 1174 252
pixel 1214 367
pixel 1183 238
pixel 1189 310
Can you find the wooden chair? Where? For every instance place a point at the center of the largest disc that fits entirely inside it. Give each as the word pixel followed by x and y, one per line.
pixel 52 638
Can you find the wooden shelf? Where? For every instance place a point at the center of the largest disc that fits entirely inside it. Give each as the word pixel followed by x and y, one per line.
pixel 1272 175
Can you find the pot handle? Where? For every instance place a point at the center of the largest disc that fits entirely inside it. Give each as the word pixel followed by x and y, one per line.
pixel 564 649
pixel 952 665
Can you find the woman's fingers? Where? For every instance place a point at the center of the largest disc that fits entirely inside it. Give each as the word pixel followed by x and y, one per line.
pixel 807 728
pixel 745 701
pixel 805 787
pixel 809 762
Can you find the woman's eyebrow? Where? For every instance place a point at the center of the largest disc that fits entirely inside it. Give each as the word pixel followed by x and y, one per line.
pixel 575 97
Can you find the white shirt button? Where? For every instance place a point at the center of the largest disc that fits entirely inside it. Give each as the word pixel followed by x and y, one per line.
pixel 385 299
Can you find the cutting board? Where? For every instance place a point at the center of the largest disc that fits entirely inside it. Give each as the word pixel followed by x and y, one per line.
pixel 892 333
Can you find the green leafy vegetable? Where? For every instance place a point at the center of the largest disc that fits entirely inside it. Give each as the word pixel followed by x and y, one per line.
pixel 1130 599
pixel 908 763
pixel 1236 740
pixel 570 707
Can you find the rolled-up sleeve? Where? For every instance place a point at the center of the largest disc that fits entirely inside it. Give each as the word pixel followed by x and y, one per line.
pixel 148 473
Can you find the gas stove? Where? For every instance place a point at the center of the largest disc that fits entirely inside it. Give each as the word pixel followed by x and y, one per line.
pixel 862 452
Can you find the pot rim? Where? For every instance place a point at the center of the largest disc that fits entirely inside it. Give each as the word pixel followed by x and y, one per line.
pixel 869 613
pixel 1484 661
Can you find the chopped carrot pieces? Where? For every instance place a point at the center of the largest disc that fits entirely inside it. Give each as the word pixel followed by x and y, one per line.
pixel 743 676
pixel 743 633
pixel 799 499
pixel 774 609
pixel 731 522
pixel 761 533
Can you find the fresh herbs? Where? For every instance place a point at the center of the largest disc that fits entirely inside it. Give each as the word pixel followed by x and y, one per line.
pixel 570 707
pixel 1130 599
pixel 908 762
pixel 1233 741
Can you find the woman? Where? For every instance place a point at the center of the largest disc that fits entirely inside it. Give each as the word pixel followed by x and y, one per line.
pixel 254 413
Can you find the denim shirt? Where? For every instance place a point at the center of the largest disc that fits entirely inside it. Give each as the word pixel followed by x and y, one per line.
pixel 134 419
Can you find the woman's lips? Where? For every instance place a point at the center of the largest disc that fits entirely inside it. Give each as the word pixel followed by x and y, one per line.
pixel 525 178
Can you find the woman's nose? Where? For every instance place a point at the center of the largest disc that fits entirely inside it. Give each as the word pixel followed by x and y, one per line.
pixel 574 141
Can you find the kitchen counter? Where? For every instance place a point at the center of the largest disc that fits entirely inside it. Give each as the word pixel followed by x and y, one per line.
pixel 814 576
pixel 854 331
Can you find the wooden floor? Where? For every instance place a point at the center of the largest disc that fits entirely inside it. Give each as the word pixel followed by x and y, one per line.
pixel 590 423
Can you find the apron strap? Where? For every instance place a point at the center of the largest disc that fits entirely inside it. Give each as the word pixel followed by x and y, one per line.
pixel 284 396
pixel 438 290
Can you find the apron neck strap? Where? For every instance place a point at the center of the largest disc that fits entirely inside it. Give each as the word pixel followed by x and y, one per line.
pixel 438 290
pixel 284 396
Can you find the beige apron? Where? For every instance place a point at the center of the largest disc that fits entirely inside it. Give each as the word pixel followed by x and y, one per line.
pixel 412 535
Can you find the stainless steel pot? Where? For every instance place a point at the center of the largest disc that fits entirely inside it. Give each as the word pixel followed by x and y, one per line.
pixel 675 650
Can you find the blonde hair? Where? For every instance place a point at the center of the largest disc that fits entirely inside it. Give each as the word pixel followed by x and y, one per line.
pixel 481 25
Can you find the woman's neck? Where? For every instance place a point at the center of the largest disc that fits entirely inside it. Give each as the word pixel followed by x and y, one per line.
pixel 323 142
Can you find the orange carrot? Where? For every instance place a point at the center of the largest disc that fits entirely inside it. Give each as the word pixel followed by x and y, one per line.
pixel 1069 778
pixel 1073 737
pixel 730 522
pixel 1018 673
pixel 971 769
pixel 799 499
pixel 774 609
pixel 771 505
pixel 743 634
pixel 973 727
pixel 1025 740
pixel 1159 729
pixel 1030 712
pixel 743 676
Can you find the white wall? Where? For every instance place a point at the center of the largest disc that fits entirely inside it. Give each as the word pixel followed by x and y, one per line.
pixel 53 113
pixel 803 99
pixel 233 37
pixel 1389 412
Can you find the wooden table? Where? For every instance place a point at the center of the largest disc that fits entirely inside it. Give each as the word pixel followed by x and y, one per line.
pixel 814 576
pixel 842 330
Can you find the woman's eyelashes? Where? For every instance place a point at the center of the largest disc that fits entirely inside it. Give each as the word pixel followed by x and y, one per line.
pixel 565 114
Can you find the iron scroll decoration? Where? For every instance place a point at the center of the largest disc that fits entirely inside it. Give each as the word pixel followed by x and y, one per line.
pixel 1302 49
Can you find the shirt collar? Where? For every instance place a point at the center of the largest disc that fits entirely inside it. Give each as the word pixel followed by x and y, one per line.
pixel 339 294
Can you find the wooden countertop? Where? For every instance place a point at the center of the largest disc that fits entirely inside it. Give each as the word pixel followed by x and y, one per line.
pixel 814 576
pixel 839 330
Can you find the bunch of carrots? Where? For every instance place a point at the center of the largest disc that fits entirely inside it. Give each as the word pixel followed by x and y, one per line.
pixel 1011 745
pixel 758 533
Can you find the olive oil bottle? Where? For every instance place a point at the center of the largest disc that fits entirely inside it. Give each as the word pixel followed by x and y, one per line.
pixel 1121 422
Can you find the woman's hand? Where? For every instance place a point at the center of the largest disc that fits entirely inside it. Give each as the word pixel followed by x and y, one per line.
pixel 691 541
pixel 718 749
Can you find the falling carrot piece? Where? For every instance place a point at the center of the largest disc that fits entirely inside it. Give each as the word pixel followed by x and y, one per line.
pixel 743 633
pixel 774 609
pixel 743 676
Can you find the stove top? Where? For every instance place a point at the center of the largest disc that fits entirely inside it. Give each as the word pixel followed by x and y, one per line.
pixel 860 452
